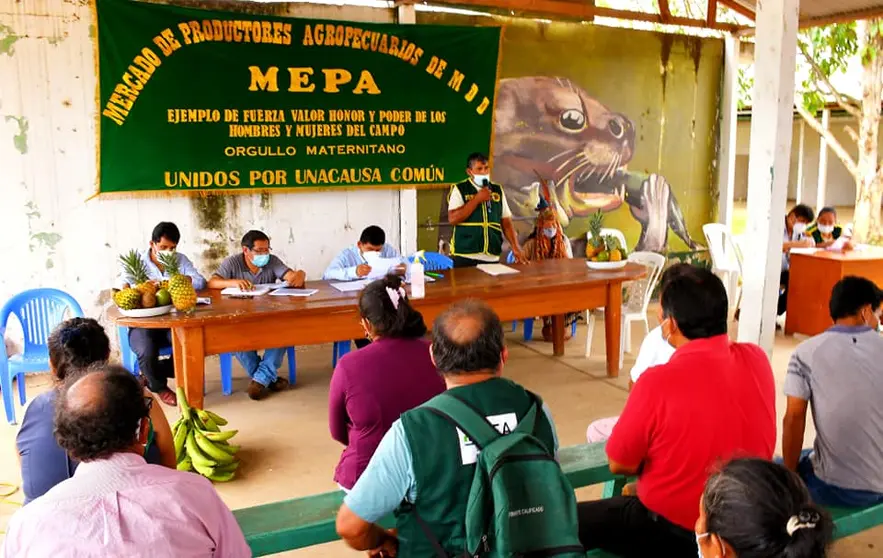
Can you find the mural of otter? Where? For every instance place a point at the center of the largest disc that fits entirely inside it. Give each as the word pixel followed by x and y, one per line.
pixel 550 128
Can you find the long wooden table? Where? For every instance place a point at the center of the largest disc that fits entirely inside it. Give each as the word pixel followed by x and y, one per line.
pixel 233 324
pixel 812 279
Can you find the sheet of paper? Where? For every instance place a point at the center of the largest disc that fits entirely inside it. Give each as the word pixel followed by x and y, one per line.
pixel 350 286
pixel 804 250
pixel 380 268
pixel 236 291
pixel 838 244
pixel 294 292
pixel 497 269
pixel 203 300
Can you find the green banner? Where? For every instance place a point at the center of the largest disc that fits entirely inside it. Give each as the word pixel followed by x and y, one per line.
pixel 210 101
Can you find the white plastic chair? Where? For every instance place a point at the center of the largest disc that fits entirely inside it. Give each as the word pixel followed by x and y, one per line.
pixel 726 259
pixel 635 307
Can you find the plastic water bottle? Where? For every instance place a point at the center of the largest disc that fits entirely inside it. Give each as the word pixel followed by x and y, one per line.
pixel 418 280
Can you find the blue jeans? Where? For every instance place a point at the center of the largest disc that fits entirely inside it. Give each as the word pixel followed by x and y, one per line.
pixel 826 494
pixel 262 370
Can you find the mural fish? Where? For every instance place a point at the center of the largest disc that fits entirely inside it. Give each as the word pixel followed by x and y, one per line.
pixel 551 128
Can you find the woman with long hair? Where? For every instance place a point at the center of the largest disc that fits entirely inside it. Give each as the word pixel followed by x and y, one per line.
pixel 373 386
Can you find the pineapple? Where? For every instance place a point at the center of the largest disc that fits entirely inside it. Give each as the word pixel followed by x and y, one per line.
pixel 135 270
pixel 596 243
pixel 180 287
pixel 127 299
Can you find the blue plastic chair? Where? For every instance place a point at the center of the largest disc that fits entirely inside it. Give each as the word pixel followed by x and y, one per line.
pixel 435 261
pixel 38 311
pixel 130 362
pixel 528 322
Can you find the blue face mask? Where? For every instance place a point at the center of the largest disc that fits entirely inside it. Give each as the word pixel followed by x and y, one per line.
pixel 550 232
pixel 260 260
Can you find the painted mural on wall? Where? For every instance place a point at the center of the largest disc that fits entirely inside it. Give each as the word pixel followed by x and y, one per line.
pixel 614 120
pixel 548 128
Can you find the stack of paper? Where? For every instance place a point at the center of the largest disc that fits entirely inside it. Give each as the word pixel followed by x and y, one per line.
pixel 236 291
pixel 497 269
pixel 294 292
pixel 350 286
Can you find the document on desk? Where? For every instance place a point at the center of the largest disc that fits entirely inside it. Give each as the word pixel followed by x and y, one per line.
pixel 381 268
pixel 294 292
pixel 236 291
pixel 497 269
pixel 350 286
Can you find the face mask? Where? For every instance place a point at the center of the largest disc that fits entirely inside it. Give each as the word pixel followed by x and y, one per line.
pixel 371 257
pixel 480 178
pixel 799 228
pixel 260 260
pixel 826 229
pixel 164 253
pixel 550 232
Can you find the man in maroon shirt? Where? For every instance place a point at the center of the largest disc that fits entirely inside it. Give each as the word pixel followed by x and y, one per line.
pixel 713 401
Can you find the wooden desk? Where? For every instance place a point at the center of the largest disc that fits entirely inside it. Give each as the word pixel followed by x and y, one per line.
pixel 812 279
pixel 231 324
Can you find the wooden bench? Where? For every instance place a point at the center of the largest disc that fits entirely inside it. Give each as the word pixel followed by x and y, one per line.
pixel 308 521
pixel 302 522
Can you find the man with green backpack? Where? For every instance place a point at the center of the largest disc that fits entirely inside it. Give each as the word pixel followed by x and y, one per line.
pixel 471 472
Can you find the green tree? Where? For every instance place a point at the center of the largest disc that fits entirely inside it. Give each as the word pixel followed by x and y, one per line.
pixel 829 51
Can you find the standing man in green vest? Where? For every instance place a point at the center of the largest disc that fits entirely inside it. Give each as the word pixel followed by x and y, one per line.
pixel 423 468
pixel 478 211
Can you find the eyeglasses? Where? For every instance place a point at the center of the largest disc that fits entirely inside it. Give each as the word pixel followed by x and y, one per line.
pixel 260 252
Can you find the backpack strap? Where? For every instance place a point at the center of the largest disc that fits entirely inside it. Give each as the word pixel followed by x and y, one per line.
pixel 427 532
pixel 465 417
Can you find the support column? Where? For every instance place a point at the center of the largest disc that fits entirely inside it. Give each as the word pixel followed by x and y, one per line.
pixel 406 15
pixel 771 127
pixel 799 195
pixel 726 177
pixel 822 184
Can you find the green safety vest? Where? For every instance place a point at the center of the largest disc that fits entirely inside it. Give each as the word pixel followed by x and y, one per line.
pixel 481 232
pixel 443 482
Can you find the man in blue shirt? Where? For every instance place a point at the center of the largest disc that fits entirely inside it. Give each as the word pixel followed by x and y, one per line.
pixel 355 262
pixel 147 343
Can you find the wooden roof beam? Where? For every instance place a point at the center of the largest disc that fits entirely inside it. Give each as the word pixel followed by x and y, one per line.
pixel 738 8
pixel 711 13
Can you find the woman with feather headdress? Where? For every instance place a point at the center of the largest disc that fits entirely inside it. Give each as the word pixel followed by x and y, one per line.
pixel 548 242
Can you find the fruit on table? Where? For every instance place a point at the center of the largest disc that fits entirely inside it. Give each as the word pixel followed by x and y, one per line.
pixel 596 243
pixel 127 299
pixel 604 256
pixel 615 255
pixel 200 449
pixel 180 287
pixel 163 297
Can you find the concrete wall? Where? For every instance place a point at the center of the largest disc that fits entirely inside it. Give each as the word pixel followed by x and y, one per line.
pixel 840 188
pixel 52 236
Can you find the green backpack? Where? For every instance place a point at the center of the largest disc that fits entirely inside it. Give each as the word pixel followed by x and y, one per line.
pixel 520 503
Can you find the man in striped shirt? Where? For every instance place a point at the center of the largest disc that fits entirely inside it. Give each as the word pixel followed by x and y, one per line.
pixel 256 266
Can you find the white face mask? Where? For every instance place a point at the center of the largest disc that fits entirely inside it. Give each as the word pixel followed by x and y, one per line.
pixel 371 258
pixel 480 178
pixel 164 253
pixel 550 232
pixel 799 228
pixel 826 229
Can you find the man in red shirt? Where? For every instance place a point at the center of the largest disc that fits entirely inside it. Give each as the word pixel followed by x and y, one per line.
pixel 713 401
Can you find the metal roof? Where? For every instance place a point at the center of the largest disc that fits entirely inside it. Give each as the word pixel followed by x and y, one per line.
pixel 821 12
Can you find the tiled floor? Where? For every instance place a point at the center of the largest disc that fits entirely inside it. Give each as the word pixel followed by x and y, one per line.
pixel 287 451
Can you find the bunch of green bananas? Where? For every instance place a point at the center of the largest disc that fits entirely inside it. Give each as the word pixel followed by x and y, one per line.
pixel 200 445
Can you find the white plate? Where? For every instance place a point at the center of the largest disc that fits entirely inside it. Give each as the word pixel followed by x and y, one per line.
pixel 147 312
pixel 606 266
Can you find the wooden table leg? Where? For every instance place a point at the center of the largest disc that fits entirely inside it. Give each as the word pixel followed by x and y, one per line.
pixel 558 335
pixel 612 327
pixel 188 348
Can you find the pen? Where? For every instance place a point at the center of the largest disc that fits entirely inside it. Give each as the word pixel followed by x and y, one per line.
pixel 435 275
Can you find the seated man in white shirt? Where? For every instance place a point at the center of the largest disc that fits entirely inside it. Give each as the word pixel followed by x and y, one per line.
pixel 654 351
